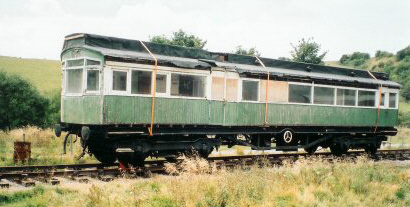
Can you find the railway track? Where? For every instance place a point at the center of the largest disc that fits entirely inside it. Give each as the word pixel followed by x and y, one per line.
pixel 30 175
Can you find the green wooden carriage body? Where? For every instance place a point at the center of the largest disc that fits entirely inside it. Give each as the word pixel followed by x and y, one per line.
pixel 102 107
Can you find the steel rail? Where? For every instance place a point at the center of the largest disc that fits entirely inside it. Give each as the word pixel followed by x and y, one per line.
pixel 158 166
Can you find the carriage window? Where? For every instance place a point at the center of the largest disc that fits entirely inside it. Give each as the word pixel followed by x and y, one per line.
pixel 74 63
pixel 346 97
pixel 324 95
pixel 93 78
pixel 161 83
pixel 367 98
pixel 299 93
pixel 92 62
pixel 140 82
pixel 188 85
pixel 392 100
pixel 250 90
pixel 74 80
pixel 382 99
pixel 119 82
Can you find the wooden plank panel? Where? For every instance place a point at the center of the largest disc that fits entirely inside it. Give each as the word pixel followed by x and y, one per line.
pixel 218 88
pixel 82 109
pixel 232 89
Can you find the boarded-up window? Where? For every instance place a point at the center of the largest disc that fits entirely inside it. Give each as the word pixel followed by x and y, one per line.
pixel 231 89
pixel 141 82
pixel 278 91
pixel 188 85
pixel 324 95
pixel 217 88
pixel 392 100
pixel 367 98
pixel 250 90
pixel 74 80
pixel 346 97
pixel 161 83
pixel 299 93
pixel 119 81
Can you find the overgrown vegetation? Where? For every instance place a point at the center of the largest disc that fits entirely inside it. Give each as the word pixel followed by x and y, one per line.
pixel 180 38
pixel 307 51
pixel 309 182
pixel 357 59
pixel 46 148
pixel 243 51
pixel 22 105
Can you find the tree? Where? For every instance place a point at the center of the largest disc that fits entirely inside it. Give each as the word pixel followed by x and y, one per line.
pixel 251 51
pixel 307 51
pixel 357 59
pixel 402 54
pixel 180 38
pixel 20 103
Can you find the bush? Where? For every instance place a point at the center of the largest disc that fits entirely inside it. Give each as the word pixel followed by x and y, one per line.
pixel 402 54
pixel 53 109
pixel 357 59
pixel 20 103
pixel 381 54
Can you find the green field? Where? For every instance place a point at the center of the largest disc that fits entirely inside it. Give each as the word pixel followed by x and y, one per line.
pixel 44 74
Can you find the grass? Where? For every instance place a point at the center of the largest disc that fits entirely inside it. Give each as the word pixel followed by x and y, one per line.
pixel 46 148
pixel 44 74
pixel 308 182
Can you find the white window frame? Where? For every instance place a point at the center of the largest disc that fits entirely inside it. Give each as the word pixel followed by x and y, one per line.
pixel 324 86
pixel 376 97
pixel 348 88
pixel 395 91
pixel 193 74
pixel 152 83
pixel 241 87
pixel 93 92
pixel 167 87
pixel 128 85
pixel 66 93
pixel 311 93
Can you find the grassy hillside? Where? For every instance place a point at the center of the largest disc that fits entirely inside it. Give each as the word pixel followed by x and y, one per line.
pixel 44 74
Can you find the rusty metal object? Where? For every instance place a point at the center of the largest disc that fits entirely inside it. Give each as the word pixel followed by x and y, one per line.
pixel 22 151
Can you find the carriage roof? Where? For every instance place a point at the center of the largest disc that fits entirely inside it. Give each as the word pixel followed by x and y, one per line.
pixel 191 58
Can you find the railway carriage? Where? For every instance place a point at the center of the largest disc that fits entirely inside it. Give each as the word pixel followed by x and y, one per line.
pixel 129 99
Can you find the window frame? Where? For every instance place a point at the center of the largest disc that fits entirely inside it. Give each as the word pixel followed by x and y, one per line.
pixel 99 81
pixel 66 93
pixel 324 86
pixel 240 88
pixel 348 88
pixel 167 86
pixel 127 85
pixel 376 97
pixel 311 92
pixel 190 97
pixel 396 101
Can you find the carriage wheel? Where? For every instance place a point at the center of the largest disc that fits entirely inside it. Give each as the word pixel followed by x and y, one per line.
pixel 311 150
pixel 101 151
pixel 371 149
pixel 339 149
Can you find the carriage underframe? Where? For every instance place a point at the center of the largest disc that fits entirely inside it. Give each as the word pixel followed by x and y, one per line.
pixel 132 144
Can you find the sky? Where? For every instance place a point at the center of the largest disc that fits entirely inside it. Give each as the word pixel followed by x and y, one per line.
pixel 36 28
